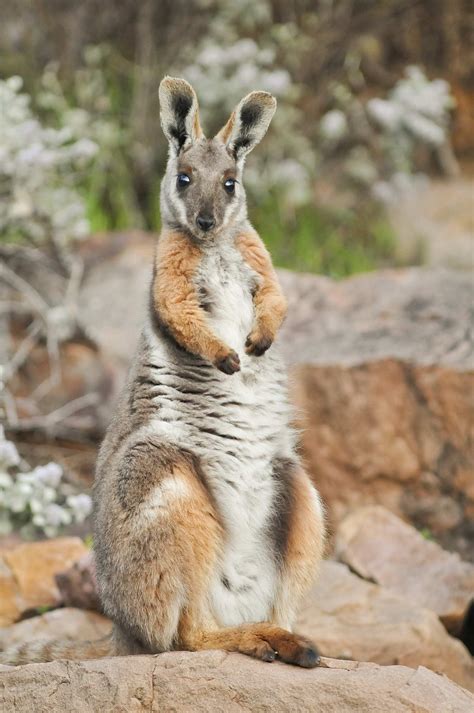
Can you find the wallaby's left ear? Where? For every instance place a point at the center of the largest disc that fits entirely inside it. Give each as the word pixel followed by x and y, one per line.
pixel 179 112
pixel 248 123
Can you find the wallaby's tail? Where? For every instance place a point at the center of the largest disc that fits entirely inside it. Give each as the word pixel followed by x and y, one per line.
pixel 43 651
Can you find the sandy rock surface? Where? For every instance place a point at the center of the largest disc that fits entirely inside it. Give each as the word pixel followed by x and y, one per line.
pixel 350 618
pixel 66 623
pixel 217 681
pixel 382 548
pixel 27 575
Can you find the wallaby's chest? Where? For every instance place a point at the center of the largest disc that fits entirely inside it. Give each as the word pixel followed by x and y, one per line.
pixel 225 285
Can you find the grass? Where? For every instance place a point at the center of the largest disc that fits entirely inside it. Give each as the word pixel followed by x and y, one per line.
pixel 326 241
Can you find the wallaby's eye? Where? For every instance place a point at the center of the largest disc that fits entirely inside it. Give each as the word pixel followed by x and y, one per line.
pixel 183 180
pixel 229 185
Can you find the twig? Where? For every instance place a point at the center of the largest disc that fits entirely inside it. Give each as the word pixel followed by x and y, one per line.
pixel 53 417
pixel 22 352
pixel 25 288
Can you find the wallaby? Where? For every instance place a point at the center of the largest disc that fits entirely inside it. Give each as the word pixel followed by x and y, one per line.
pixel 207 529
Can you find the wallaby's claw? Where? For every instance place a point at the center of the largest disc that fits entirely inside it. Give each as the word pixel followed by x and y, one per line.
pixel 230 364
pixel 257 344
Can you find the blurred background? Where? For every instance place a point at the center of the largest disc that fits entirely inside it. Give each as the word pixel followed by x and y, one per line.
pixel 363 183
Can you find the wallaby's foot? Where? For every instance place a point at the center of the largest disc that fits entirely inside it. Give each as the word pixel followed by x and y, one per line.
pixel 229 364
pixel 258 342
pixel 269 642
pixel 262 641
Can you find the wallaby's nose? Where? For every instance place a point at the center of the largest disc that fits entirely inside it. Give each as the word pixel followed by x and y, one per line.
pixel 205 222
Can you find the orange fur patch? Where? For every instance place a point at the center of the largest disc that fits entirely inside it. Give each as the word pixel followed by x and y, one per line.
pixel 269 300
pixel 176 301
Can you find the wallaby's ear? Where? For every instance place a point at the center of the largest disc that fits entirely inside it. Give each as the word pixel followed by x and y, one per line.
pixel 179 113
pixel 248 123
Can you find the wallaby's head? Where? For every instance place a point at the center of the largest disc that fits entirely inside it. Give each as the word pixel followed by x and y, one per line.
pixel 202 190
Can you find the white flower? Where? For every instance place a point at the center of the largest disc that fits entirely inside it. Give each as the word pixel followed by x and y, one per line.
pixel 9 455
pixel 388 115
pixel 55 515
pixel 49 474
pixel 81 506
pixel 333 125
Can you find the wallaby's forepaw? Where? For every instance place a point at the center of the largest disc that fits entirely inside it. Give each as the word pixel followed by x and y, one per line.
pixel 258 342
pixel 229 364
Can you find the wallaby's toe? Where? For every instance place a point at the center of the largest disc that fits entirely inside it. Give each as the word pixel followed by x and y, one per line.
pixel 230 364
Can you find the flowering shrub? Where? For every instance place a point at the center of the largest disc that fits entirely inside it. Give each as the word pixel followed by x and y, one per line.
pixel 229 64
pixel 39 169
pixel 36 501
pixel 384 134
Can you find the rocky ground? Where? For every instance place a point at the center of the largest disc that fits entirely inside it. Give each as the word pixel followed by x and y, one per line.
pixel 385 614
pixel 381 369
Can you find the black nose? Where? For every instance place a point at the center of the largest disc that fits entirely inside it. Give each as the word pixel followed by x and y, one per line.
pixel 205 222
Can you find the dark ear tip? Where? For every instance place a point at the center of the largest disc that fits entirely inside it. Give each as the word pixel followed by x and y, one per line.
pixel 263 98
pixel 175 85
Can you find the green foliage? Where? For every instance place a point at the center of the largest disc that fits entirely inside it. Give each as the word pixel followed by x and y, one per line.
pixel 89 541
pixel 331 241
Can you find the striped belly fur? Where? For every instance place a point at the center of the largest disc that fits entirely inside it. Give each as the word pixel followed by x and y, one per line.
pixel 237 426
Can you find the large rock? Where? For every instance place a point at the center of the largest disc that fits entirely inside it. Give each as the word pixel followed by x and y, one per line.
pixel 217 681
pixel 350 618
pixel 27 575
pixel 383 377
pixel 66 623
pixel 382 548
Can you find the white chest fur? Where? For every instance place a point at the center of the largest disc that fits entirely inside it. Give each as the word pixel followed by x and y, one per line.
pixel 225 282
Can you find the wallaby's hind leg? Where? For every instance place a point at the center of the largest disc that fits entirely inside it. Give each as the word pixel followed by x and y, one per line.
pixel 302 542
pixel 157 544
pixel 262 641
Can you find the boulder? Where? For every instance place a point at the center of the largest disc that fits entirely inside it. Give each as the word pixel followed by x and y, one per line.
pixel 380 547
pixel 78 584
pixel 27 575
pixel 216 681
pixel 383 378
pixel 350 618
pixel 66 623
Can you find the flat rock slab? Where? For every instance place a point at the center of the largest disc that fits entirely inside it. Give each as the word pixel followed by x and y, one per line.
pixel 417 315
pixel 217 681
pixel 27 574
pixel 66 623
pixel 348 617
pixel 380 547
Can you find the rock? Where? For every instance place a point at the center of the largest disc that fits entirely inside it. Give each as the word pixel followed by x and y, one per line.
pixel 382 548
pixel 114 315
pixel 217 681
pixel 382 368
pixel 434 219
pixel 350 618
pixel 27 575
pixel 67 623
pixel 78 585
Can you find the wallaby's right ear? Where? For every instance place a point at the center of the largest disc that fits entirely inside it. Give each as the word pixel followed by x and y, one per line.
pixel 248 124
pixel 179 113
